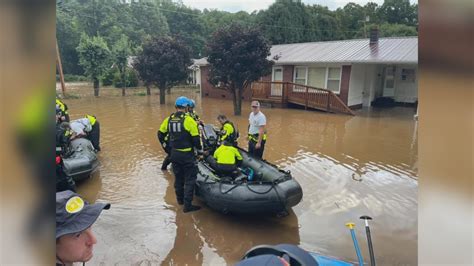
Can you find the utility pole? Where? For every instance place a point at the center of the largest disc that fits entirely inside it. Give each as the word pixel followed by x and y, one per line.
pixel 60 69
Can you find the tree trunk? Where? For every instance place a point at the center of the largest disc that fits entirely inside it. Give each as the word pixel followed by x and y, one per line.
pixel 237 99
pixel 123 85
pixel 148 91
pixel 162 94
pixel 123 90
pixel 96 86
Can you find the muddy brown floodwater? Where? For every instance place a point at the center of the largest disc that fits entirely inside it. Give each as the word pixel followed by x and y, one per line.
pixel 348 167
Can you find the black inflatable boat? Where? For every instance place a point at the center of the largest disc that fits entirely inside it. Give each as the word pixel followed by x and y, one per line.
pixel 81 161
pixel 269 190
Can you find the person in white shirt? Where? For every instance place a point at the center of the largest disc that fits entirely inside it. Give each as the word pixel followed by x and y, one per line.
pixel 89 128
pixel 81 127
pixel 257 134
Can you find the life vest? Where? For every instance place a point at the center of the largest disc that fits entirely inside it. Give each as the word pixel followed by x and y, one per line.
pixel 179 137
pixel 194 116
pixel 231 137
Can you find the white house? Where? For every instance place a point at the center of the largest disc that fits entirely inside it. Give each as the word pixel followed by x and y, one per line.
pixel 358 71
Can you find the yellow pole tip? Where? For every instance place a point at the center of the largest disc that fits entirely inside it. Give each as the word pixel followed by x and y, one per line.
pixel 350 225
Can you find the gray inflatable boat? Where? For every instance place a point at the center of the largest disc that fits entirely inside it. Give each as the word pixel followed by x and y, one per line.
pixel 82 160
pixel 258 187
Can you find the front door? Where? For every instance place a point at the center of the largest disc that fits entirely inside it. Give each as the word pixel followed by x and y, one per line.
pixel 277 75
pixel 389 82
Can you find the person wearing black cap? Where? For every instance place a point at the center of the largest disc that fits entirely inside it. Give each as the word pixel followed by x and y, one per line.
pixel 74 218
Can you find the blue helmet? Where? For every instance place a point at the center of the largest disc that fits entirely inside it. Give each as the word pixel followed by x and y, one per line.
pixel 181 101
pixel 192 103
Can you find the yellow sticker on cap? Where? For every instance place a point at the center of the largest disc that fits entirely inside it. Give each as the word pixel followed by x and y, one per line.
pixel 74 204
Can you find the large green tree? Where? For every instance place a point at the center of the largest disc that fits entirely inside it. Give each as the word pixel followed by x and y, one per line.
pixel 285 21
pixel 94 57
pixel 399 12
pixel 68 36
pixel 186 25
pixel 121 51
pixel 237 56
pixel 163 62
pixel 352 17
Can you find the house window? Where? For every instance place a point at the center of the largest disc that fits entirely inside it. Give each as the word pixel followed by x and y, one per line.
pixel 300 75
pixel 317 77
pixel 334 79
pixel 408 74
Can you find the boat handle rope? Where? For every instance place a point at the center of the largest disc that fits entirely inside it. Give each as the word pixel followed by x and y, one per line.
pixel 262 193
pixel 230 189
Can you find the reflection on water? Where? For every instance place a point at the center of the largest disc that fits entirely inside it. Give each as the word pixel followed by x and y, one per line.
pixel 347 166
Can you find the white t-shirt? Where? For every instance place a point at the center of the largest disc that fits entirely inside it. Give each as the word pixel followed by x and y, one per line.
pixel 80 126
pixel 256 121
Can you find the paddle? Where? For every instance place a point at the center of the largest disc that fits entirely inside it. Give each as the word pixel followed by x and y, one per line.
pixel 369 239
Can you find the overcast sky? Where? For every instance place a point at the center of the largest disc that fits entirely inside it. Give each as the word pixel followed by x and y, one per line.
pixel 251 5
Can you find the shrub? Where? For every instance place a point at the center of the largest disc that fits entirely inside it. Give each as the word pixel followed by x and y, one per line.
pixel 131 79
pixel 109 77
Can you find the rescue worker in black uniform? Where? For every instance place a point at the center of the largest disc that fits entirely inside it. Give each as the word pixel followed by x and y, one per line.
pixel 94 134
pixel 226 159
pixel 228 132
pixel 163 138
pixel 63 138
pixel 64 110
pixel 193 113
pixel 184 140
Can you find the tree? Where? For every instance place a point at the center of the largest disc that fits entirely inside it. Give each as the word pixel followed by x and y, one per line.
pixel 285 21
pixel 237 57
pixel 94 57
pixel 148 20
pixel 396 30
pixel 186 25
pixel 351 17
pixel 399 12
pixel 68 36
pixel 121 51
pixel 163 62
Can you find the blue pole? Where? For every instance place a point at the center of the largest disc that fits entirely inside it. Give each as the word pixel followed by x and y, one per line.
pixel 356 244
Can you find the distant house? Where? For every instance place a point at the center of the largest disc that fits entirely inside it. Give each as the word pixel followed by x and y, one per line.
pixel 195 73
pixel 358 71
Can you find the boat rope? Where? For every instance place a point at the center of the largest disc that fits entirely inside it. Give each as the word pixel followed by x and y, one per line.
pixel 261 193
pixel 230 189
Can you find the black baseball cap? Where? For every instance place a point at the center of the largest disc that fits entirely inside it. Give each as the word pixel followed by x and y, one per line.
pixel 73 214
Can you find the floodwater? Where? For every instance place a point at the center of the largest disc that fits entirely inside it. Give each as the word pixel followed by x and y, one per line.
pixel 348 167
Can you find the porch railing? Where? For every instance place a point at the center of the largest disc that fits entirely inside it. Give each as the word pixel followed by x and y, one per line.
pixel 307 96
